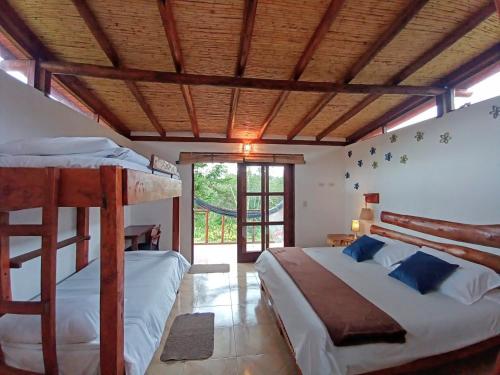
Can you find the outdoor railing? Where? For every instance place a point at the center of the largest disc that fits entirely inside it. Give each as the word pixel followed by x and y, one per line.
pixel 207 229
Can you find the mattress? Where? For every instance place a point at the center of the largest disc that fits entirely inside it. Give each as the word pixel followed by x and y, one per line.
pixel 71 161
pixel 453 325
pixel 152 279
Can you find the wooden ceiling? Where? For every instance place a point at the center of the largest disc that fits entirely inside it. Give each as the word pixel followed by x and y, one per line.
pixel 347 42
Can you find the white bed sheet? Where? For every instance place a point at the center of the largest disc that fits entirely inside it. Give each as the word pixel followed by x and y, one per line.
pixel 435 323
pixel 152 279
pixel 70 161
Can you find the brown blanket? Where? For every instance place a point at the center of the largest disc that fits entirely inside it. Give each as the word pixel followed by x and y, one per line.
pixel 349 317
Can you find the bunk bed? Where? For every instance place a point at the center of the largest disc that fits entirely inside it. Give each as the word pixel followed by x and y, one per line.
pixel 25 183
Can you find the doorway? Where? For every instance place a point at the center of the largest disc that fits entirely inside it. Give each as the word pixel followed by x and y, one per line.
pixel 239 210
pixel 214 213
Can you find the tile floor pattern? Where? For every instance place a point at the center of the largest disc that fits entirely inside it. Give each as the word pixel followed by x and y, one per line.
pixel 247 340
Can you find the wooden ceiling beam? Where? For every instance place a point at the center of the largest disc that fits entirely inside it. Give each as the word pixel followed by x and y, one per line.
pixel 422 60
pixel 183 79
pixel 389 34
pixel 473 67
pixel 28 41
pixel 168 20
pixel 311 47
pixel 153 138
pixel 106 45
pixel 245 41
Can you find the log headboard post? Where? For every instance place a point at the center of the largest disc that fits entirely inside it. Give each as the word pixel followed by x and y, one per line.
pixel 486 235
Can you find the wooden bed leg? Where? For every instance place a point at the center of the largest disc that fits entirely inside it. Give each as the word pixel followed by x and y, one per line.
pixel 82 229
pixel 5 291
pixel 175 223
pixel 112 272
pixel 50 215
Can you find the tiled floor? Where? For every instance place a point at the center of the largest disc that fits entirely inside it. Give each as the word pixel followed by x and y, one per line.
pixel 247 340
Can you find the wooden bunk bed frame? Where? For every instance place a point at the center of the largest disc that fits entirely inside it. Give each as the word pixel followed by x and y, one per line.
pixel 486 235
pixel 110 188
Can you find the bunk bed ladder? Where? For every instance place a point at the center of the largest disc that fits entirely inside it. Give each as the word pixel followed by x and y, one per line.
pixel 47 304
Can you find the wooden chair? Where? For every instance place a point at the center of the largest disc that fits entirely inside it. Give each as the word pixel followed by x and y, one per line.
pixel 153 240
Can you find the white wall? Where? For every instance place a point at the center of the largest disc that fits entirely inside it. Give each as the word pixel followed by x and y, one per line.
pixel 26 112
pixel 319 191
pixel 458 181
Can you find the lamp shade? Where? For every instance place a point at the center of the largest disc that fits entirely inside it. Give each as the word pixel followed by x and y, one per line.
pixel 355 226
pixel 366 214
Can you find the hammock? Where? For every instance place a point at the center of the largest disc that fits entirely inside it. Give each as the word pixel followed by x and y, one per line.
pixel 233 213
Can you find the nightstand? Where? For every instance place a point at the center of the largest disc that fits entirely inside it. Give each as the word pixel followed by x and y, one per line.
pixel 340 239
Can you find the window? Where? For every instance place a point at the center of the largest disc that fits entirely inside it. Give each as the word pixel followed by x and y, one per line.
pixel 19 74
pixel 59 93
pixel 20 69
pixel 485 89
pixel 423 113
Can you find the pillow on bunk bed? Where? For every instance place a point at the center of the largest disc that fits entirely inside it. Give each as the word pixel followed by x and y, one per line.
pixel 57 146
pixel 77 321
pixel 470 282
pixel 121 153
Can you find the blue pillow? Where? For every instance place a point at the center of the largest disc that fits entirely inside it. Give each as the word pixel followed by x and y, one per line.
pixel 363 248
pixel 423 272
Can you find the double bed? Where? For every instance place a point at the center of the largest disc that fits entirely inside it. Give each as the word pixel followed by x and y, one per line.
pixel 436 325
pixel 452 326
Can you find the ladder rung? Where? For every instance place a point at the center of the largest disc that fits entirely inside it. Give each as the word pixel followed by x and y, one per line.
pixel 17 262
pixel 22 230
pixel 21 307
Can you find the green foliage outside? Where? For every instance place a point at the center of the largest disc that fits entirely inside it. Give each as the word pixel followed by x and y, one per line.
pixel 217 184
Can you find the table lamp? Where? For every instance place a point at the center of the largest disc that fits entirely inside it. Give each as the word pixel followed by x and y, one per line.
pixel 355 227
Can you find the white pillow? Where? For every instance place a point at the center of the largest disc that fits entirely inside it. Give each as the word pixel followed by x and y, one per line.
pixel 57 146
pixel 122 153
pixel 77 321
pixel 469 282
pixel 393 251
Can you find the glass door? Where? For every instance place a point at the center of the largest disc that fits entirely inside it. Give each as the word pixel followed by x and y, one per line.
pixel 265 209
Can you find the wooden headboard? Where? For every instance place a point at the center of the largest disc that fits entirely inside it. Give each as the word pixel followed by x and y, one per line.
pixel 488 235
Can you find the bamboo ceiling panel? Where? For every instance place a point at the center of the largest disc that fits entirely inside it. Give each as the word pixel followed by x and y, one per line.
pixel 59 26
pixel 372 112
pixel 281 32
pixel 297 105
pixel 340 104
pixel 434 21
pixel 167 104
pixel 485 36
pixel 209 33
pixel 212 108
pixel 120 101
pixel 136 32
pixel 253 107
pixel 356 28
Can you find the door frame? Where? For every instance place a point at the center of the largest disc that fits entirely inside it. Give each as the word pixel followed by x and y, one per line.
pixel 288 210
